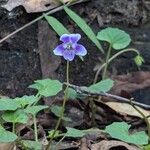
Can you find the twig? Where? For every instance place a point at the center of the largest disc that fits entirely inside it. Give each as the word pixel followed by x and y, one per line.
pixel 85 91
pixel 35 20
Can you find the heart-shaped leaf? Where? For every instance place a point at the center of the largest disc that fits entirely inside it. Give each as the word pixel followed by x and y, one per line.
pixel 102 86
pixel 72 94
pixel 25 100
pixel 18 116
pixel 6 136
pixel 47 87
pixel 120 130
pixel 8 104
pixel 118 39
pixel 35 109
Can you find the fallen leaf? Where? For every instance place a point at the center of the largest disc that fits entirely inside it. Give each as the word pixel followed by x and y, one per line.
pixel 131 82
pixel 108 145
pixel 84 144
pixel 33 5
pixel 7 146
pixel 125 108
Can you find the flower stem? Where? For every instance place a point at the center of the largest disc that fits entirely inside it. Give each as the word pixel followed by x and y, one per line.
pixel 35 128
pixel 60 141
pixel 106 66
pixel 144 117
pixel 111 59
pixel 63 107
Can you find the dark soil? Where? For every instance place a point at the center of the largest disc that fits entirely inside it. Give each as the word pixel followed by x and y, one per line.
pixel 19 58
pixel 20 64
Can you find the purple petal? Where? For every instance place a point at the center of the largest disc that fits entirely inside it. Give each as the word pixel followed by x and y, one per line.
pixel 80 50
pixel 74 38
pixel 59 50
pixel 65 38
pixel 69 54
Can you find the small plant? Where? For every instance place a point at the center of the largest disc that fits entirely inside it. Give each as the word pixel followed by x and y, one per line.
pixel 19 110
pixel 68 49
pixel 118 40
pixel 120 130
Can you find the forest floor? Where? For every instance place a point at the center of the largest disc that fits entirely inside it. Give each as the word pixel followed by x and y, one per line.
pixel 27 56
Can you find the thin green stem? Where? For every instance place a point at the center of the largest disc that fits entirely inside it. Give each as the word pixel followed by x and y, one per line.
pixel 38 96
pixel 144 117
pixel 93 107
pixel 35 128
pixel 63 107
pixel 106 66
pixel 13 127
pixel 60 141
pixel 111 59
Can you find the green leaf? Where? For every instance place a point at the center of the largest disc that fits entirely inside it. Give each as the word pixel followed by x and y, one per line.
pixel 32 145
pixel 56 25
pixel 6 136
pixel 8 104
pixel 18 116
pixel 84 27
pixel 25 100
pixel 72 94
pixel 147 147
pixel 120 130
pixel 50 133
pixel 47 87
pixel 139 60
pixel 102 86
pixel 57 111
pixel 35 109
pixel 35 86
pixel 72 132
pixel 118 39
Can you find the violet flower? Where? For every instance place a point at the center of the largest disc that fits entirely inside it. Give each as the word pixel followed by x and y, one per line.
pixel 69 48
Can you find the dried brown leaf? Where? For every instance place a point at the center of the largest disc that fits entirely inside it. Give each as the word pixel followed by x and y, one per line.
pixel 7 146
pixel 125 108
pixel 107 145
pixel 131 82
pixel 84 144
pixel 33 5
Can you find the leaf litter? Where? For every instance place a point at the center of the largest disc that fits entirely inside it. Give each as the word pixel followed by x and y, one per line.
pixel 33 5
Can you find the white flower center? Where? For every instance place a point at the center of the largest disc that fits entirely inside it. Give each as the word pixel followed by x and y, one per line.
pixel 69 46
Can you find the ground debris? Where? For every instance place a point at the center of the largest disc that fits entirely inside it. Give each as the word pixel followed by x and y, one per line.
pixel 108 145
pixel 32 5
pixel 131 82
